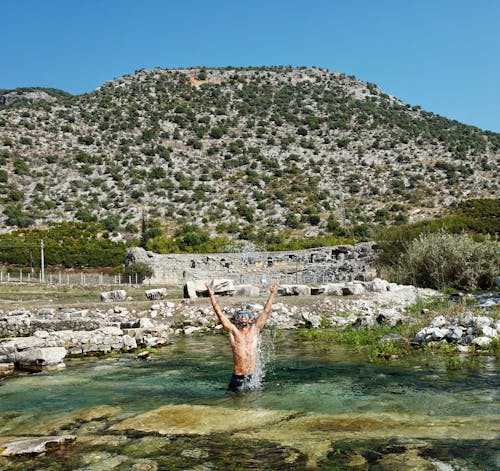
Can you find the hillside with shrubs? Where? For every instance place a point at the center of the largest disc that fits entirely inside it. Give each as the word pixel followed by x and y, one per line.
pixel 273 155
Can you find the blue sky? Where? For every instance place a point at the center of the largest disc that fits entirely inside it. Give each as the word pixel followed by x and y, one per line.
pixel 443 55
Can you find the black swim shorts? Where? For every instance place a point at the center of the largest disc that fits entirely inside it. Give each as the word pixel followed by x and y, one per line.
pixel 239 382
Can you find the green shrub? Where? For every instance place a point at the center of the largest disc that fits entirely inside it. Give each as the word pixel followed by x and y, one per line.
pixel 442 260
pixel 139 269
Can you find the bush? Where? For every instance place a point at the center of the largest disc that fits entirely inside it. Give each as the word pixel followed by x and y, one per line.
pixel 17 217
pixel 139 269
pixel 442 260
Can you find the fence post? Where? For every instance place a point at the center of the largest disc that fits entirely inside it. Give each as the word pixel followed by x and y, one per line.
pixel 59 277
pixel 20 276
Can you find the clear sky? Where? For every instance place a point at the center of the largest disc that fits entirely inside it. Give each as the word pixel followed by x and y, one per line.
pixel 443 55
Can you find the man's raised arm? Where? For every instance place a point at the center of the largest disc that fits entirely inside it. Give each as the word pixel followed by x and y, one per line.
pixel 226 323
pixel 261 321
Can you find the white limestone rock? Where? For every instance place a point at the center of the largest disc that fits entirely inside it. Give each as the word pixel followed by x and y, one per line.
pixel 156 294
pixel 113 296
pixel 482 341
pixel 353 289
pixel 39 359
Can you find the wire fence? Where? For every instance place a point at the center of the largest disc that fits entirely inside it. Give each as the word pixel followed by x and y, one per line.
pixel 64 278
pixel 105 279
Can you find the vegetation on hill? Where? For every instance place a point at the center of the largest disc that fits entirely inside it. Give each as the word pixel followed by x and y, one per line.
pixel 271 155
pixel 65 245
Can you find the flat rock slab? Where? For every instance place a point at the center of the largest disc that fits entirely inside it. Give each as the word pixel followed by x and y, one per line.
pixel 200 420
pixel 53 425
pixel 35 445
pixel 314 434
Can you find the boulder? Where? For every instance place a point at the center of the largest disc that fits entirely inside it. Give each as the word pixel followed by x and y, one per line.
pixel 466 319
pixel 156 294
pixel 377 285
pixel 12 345
pixel 421 336
pixel 364 321
pixel 482 341
pixel 334 289
pixel 117 295
pixel 196 288
pixel 311 320
pixel 315 290
pixel 39 359
pixel 437 333
pixel 455 333
pixel 489 332
pixel 35 445
pixel 246 290
pixel 6 369
pixel 294 290
pixel 353 289
pixel 438 321
pixel 145 323
pixel 483 320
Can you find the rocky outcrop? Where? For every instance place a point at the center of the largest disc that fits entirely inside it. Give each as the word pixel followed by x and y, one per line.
pixel 464 330
pixel 13 97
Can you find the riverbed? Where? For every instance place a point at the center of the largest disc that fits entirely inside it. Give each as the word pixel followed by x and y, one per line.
pixel 318 407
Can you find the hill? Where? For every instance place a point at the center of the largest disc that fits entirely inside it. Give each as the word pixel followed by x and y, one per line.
pixel 250 152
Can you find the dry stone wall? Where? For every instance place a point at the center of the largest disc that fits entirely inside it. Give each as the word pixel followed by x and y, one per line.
pixel 323 264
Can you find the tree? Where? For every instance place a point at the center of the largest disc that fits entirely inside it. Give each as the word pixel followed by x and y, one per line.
pixel 17 217
pixel 150 230
pixel 139 269
pixel 111 223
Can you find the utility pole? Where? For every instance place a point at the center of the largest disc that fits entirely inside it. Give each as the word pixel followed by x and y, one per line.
pixel 42 263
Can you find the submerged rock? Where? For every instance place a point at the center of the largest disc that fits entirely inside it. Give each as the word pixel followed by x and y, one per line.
pixel 199 420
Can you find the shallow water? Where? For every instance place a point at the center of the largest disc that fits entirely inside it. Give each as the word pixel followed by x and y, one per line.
pixel 314 386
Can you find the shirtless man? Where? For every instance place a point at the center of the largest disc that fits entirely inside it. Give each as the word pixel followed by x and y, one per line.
pixel 243 337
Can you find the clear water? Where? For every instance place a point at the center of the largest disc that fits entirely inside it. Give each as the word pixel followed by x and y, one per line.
pixel 296 377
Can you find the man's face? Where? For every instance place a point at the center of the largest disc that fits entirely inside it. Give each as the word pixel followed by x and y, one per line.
pixel 242 319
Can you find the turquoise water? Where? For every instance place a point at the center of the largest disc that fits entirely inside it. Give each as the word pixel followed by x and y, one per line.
pixel 298 377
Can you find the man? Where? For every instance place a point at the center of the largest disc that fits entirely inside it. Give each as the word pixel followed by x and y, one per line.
pixel 243 337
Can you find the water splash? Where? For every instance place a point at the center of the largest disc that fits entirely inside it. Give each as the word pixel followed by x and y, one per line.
pixel 265 351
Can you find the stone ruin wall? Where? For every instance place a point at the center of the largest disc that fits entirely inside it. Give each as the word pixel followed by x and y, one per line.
pixel 323 264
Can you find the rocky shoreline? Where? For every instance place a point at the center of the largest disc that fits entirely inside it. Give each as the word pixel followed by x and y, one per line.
pixel 40 339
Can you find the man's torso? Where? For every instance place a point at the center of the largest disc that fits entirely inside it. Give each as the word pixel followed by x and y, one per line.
pixel 244 345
